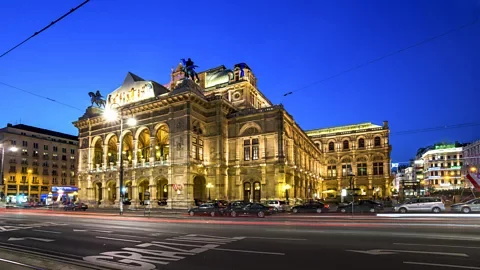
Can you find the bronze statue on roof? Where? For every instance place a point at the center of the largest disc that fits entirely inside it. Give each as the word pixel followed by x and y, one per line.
pixel 97 98
pixel 189 69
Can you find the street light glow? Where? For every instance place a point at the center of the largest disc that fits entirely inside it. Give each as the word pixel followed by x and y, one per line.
pixel 287 186
pixel 110 115
pixel 13 149
pixel 131 121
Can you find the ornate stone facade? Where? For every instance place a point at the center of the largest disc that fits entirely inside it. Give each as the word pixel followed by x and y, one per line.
pixel 219 138
pixel 356 157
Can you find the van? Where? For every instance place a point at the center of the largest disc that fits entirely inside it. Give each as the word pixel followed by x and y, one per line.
pixel 422 204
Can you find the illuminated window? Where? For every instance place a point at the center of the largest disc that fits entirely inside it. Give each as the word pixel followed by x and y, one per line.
pixel 346 169
pixel 332 171
pixel 251 150
pixel 197 144
pixel 246 150
pixel 361 169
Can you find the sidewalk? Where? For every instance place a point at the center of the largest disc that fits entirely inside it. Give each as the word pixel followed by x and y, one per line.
pixel 14 260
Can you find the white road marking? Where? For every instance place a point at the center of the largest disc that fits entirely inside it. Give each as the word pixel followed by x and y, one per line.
pixel 126 235
pixel 395 251
pixel 423 245
pixel 102 231
pixel 428 215
pixel 31 238
pixel 221 249
pixel 444 265
pixel 272 238
pixel 118 239
pixel 76 230
pixel 46 231
pixel 249 251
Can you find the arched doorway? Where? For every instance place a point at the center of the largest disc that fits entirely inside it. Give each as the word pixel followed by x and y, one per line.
pixel 142 187
pixel 199 186
pixel 98 192
pixel 128 190
pixel 111 191
pixel 112 151
pixel 143 146
pixel 162 189
pixel 162 146
pixel 127 147
pixel 98 152
pixel 247 191
pixel 257 189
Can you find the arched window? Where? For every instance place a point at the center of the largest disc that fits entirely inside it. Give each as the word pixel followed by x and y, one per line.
pixel 331 146
pixel 247 189
pixel 345 145
pixel 361 143
pixel 318 145
pixel 376 141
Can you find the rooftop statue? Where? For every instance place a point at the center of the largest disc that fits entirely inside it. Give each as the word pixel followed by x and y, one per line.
pixel 189 69
pixel 97 98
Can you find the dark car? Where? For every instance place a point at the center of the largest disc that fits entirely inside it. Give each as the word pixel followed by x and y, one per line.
pixel 362 206
pixel 313 207
pixel 127 202
pixel 75 207
pixel 252 209
pixel 211 209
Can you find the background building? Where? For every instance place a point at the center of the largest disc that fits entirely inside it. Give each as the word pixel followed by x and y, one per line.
pixel 219 138
pixel 43 159
pixel 362 150
pixel 471 154
pixel 442 166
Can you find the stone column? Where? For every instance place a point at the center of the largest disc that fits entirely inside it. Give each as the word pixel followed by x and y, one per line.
pixel 153 141
pixel 135 153
pixel 153 191
pixel 105 155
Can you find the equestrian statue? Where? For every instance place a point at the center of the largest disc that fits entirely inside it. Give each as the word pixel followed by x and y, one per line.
pixel 189 69
pixel 97 98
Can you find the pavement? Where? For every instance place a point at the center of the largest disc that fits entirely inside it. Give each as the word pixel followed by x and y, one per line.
pixel 98 241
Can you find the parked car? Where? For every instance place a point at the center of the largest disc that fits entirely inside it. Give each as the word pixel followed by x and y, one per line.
pixel 313 207
pixel 361 206
pixel 422 204
pixel 467 207
pixel 252 209
pixel 280 206
pixel 75 207
pixel 212 209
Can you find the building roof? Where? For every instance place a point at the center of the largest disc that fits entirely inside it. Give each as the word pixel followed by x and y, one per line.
pixel 188 85
pixel 347 129
pixel 133 89
pixel 43 131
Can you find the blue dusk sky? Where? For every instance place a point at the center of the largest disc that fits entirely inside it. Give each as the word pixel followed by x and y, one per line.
pixel 288 44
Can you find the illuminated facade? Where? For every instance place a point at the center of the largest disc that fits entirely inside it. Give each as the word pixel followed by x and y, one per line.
pixel 359 154
pixel 43 158
pixel 219 138
pixel 442 167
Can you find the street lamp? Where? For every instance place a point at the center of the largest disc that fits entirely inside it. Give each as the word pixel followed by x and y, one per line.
pixel 113 115
pixel 11 149
pixel 209 186
pixel 287 187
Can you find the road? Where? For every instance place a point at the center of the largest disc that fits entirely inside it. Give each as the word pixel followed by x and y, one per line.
pixel 92 241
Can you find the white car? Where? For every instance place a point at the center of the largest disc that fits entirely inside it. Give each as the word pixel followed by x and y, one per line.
pixel 422 204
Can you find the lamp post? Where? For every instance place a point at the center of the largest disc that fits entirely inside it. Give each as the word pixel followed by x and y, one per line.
pixel 11 149
pixel 287 187
pixel 113 115
pixel 351 188
pixel 209 186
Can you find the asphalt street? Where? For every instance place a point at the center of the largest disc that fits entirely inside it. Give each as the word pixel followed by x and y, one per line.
pixel 84 240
